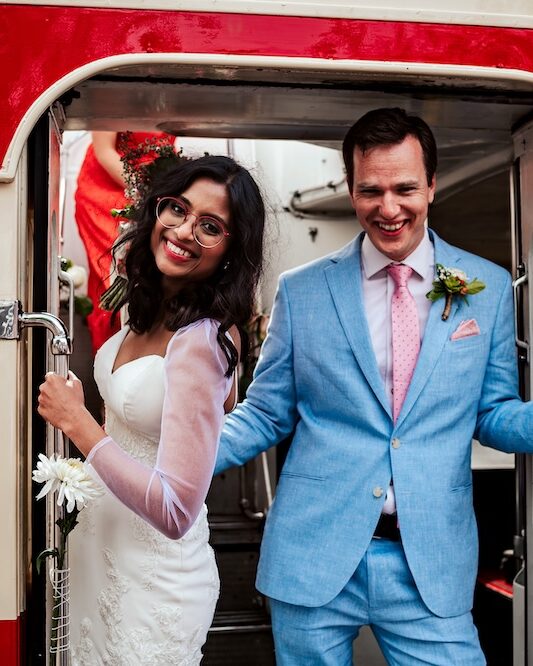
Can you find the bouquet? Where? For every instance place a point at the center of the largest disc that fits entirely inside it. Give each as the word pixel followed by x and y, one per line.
pixel 75 488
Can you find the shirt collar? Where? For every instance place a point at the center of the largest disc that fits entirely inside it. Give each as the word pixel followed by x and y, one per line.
pixel 421 260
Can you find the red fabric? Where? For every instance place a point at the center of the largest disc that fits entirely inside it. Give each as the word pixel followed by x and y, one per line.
pixel 97 193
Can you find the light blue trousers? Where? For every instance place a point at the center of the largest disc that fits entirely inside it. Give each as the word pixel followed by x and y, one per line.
pixel 383 595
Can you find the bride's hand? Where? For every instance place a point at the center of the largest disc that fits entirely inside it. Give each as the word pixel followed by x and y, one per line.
pixel 61 400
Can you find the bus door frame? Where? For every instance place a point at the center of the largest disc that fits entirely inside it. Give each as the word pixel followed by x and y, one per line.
pixel 522 238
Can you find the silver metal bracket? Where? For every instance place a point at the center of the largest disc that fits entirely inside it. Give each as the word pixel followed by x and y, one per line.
pixel 13 319
pixel 9 322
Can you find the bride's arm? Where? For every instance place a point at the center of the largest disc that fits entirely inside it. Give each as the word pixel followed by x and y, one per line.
pixel 170 495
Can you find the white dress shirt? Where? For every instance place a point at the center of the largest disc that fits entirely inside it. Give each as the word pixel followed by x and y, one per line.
pixel 378 288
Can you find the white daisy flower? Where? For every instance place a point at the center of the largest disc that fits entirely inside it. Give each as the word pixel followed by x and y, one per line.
pixel 69 477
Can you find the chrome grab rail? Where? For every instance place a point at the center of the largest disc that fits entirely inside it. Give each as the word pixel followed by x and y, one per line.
pixel 247 506
pixel 521 344
pixel 56 442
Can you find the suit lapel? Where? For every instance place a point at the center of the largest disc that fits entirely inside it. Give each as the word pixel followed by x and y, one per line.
pixel 344 280
pixel 436 334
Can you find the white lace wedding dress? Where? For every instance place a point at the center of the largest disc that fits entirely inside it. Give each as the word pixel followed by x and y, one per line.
pixel 138 596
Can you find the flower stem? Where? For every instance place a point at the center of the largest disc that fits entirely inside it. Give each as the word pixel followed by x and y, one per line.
pixel 56 599
pixel 448 306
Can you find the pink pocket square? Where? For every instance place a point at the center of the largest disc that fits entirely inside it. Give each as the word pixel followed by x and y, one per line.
pixel 466 328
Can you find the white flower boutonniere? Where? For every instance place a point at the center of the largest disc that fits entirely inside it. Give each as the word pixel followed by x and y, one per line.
pixel 452 282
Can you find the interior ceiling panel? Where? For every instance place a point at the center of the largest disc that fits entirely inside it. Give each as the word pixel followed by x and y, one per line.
pixel 279 75
pixel 470 120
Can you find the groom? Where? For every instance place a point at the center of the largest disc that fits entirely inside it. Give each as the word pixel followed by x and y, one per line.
pixel 373 522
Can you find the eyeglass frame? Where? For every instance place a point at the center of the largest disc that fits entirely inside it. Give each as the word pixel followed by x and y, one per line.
pixel 183 203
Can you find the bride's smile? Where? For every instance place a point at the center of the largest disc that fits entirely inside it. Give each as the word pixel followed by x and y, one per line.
pixel 177 253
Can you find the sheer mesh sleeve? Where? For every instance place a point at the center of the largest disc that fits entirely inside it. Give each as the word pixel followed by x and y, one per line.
pixel 170 495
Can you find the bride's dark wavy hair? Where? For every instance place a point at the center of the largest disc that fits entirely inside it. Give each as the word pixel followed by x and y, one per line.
pixel 228 294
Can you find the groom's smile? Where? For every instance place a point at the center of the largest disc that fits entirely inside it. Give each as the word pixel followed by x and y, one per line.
pixel 391 196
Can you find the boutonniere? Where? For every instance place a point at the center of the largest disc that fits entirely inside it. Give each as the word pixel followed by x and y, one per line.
pixel 452 282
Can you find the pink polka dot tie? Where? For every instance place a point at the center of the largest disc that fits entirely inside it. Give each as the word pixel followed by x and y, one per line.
pixel 405 335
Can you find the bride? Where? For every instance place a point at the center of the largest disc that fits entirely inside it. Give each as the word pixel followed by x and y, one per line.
pixel 144 581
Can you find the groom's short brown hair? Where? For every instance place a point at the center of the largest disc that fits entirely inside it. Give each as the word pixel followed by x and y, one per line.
pixel 386 127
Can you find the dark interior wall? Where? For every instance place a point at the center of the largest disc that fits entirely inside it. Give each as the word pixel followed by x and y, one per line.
pixel 478 219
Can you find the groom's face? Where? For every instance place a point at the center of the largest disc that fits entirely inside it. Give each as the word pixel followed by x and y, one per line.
pixel 391 196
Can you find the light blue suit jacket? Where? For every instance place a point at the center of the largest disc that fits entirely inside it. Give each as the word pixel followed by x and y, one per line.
pixel 318 376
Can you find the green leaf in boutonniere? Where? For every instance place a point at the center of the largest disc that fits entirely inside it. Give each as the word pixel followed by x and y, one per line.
pixel 452 282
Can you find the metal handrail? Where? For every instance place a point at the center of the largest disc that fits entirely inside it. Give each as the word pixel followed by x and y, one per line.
pixel 56 442
pixel 521 344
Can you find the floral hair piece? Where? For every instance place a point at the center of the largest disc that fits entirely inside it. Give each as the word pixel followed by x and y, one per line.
pixel 141 163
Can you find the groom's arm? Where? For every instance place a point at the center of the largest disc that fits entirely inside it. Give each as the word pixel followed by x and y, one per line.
pixel 268 414
pixel 504 422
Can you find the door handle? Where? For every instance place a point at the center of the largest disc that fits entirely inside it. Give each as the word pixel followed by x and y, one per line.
pixel 521 344
pixel 248 507
pixel 60 347
pixel 13 319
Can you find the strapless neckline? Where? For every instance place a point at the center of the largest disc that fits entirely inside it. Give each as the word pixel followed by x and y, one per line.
pixel 134 360
pixel 119 340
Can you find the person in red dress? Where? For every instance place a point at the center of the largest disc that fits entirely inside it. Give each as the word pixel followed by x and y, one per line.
pixel 100 188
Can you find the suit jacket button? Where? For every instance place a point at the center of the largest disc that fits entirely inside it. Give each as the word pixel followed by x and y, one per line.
pixel 377 492
pixel 395 443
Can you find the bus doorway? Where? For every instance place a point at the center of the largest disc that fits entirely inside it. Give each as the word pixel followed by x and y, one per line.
pixel 285 113
pixel 270 120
